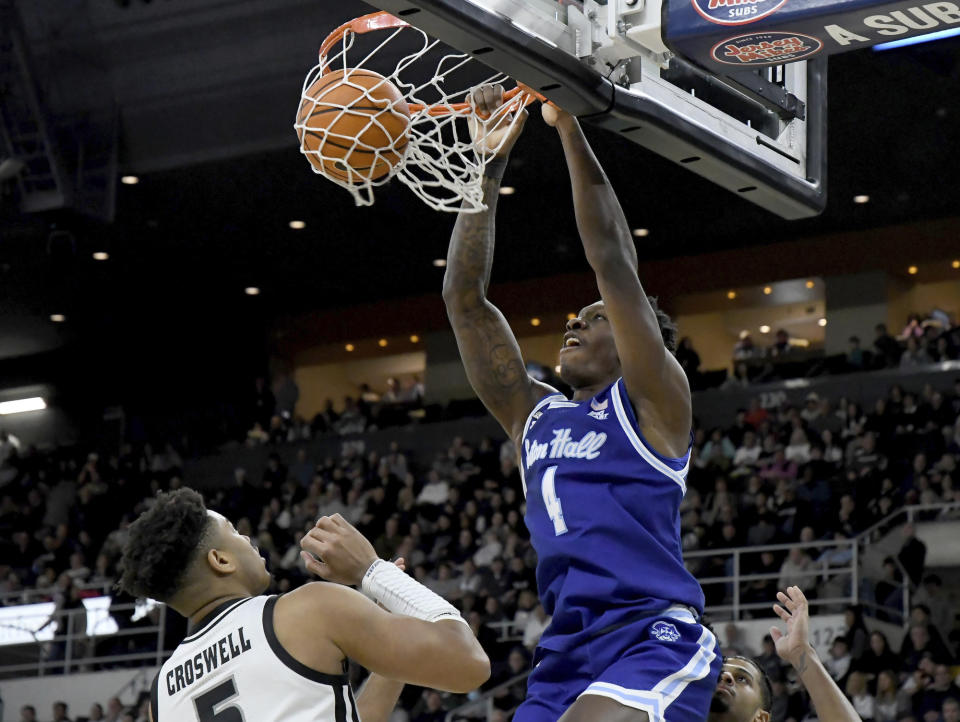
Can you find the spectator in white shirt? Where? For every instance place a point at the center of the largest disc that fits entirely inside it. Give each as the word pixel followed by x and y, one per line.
pixel 536 624
pixel 747 454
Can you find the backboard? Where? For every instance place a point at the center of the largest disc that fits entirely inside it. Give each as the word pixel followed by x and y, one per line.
pixel 759 132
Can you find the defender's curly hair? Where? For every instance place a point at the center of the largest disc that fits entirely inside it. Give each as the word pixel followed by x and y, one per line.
pixel 163 542
pixel 668 329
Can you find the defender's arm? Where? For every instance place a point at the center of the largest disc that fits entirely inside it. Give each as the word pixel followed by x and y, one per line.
pixel 443 654
pixel 377 698
pixel 654 379
pixel 794 647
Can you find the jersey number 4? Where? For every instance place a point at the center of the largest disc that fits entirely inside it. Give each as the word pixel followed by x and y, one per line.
pixel 207 703
pixel 550 500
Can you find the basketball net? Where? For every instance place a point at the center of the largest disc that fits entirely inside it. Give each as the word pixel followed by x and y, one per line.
pixel 439 163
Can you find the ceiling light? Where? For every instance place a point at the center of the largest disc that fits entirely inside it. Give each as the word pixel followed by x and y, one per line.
pixel 252 291
pixel 731 295
pixel 955 264
pixel 861 199
pixel 641 232
pixel 557 368
pixel 809 284
pixel 57 317
pixel 382 343
pixel 767 290
pixel 439 262
pixel 414 339
pixel 349 347
pixel 101 256
pixel 507 190
pixel 571 316
pixel 764 329
pixel 129 180
pixel 912 270
pixel 822 322
pixel 34 403
pixel 297 225
pixel 534 321
pixel 744 333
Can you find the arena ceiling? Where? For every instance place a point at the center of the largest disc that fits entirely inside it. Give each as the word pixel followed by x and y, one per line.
pixel 205 93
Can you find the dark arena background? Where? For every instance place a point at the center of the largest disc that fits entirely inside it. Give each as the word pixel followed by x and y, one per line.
pixel 184 303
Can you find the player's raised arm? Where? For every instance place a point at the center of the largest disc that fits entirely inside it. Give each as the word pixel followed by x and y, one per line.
pixel 654 379
pixel 490 353
pixel 422 639
pixel 794 647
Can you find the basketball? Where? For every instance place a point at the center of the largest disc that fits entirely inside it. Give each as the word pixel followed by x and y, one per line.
pixel 355 121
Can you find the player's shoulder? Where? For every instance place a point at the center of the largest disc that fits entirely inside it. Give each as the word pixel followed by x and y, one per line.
pixel 539 394
pixel 300 605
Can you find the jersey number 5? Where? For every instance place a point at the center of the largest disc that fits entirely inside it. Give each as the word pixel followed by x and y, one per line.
pixel 206 702
pixel 551 501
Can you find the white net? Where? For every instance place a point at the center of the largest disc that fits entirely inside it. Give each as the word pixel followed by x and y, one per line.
pixel 385 101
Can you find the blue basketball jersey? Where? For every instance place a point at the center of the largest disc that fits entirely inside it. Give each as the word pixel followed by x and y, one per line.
pixel 603 514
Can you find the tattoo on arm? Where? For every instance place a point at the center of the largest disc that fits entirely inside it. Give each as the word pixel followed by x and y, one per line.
pixel 487 345
pixel 801 664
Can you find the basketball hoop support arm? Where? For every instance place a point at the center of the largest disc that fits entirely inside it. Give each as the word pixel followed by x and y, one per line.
pixel 757 167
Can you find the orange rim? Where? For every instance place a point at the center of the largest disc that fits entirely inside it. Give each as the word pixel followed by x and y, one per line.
pixel 383 20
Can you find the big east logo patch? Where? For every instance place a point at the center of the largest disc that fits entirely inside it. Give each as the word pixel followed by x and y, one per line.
pixel 736 12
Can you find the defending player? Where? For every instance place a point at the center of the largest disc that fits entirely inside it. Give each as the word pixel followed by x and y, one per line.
pixel 282 659
pixel 604 472
pixel 743 693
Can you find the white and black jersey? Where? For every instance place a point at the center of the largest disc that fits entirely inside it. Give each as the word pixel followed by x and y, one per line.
pixel 232 668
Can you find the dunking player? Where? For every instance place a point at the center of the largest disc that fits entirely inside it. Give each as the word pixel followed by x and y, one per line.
pixel 604 472
pixel 282 659
pixel 743 693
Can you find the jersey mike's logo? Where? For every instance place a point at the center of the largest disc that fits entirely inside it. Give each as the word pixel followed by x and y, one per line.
pixel 665 632
pixel 736 12
pixel 771 48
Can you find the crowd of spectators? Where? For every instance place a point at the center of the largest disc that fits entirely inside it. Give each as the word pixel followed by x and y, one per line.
pixel 113 711
pixel 822 472
pixel 926 339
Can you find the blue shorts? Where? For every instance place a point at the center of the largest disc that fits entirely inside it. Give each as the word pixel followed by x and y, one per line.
pixel 666 665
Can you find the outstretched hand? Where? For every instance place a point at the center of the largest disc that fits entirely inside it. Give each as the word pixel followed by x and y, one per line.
pixel 493 127
pixel 794 645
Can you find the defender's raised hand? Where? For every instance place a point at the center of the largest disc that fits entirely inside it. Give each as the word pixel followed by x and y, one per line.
pixel 493 127
pixel 794 645
pixel 336 551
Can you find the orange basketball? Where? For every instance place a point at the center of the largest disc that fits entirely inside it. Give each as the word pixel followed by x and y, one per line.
pixel 343 105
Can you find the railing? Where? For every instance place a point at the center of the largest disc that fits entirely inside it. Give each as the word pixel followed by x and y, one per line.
pixel 45 594
pixel 734 605
pixel 71 648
